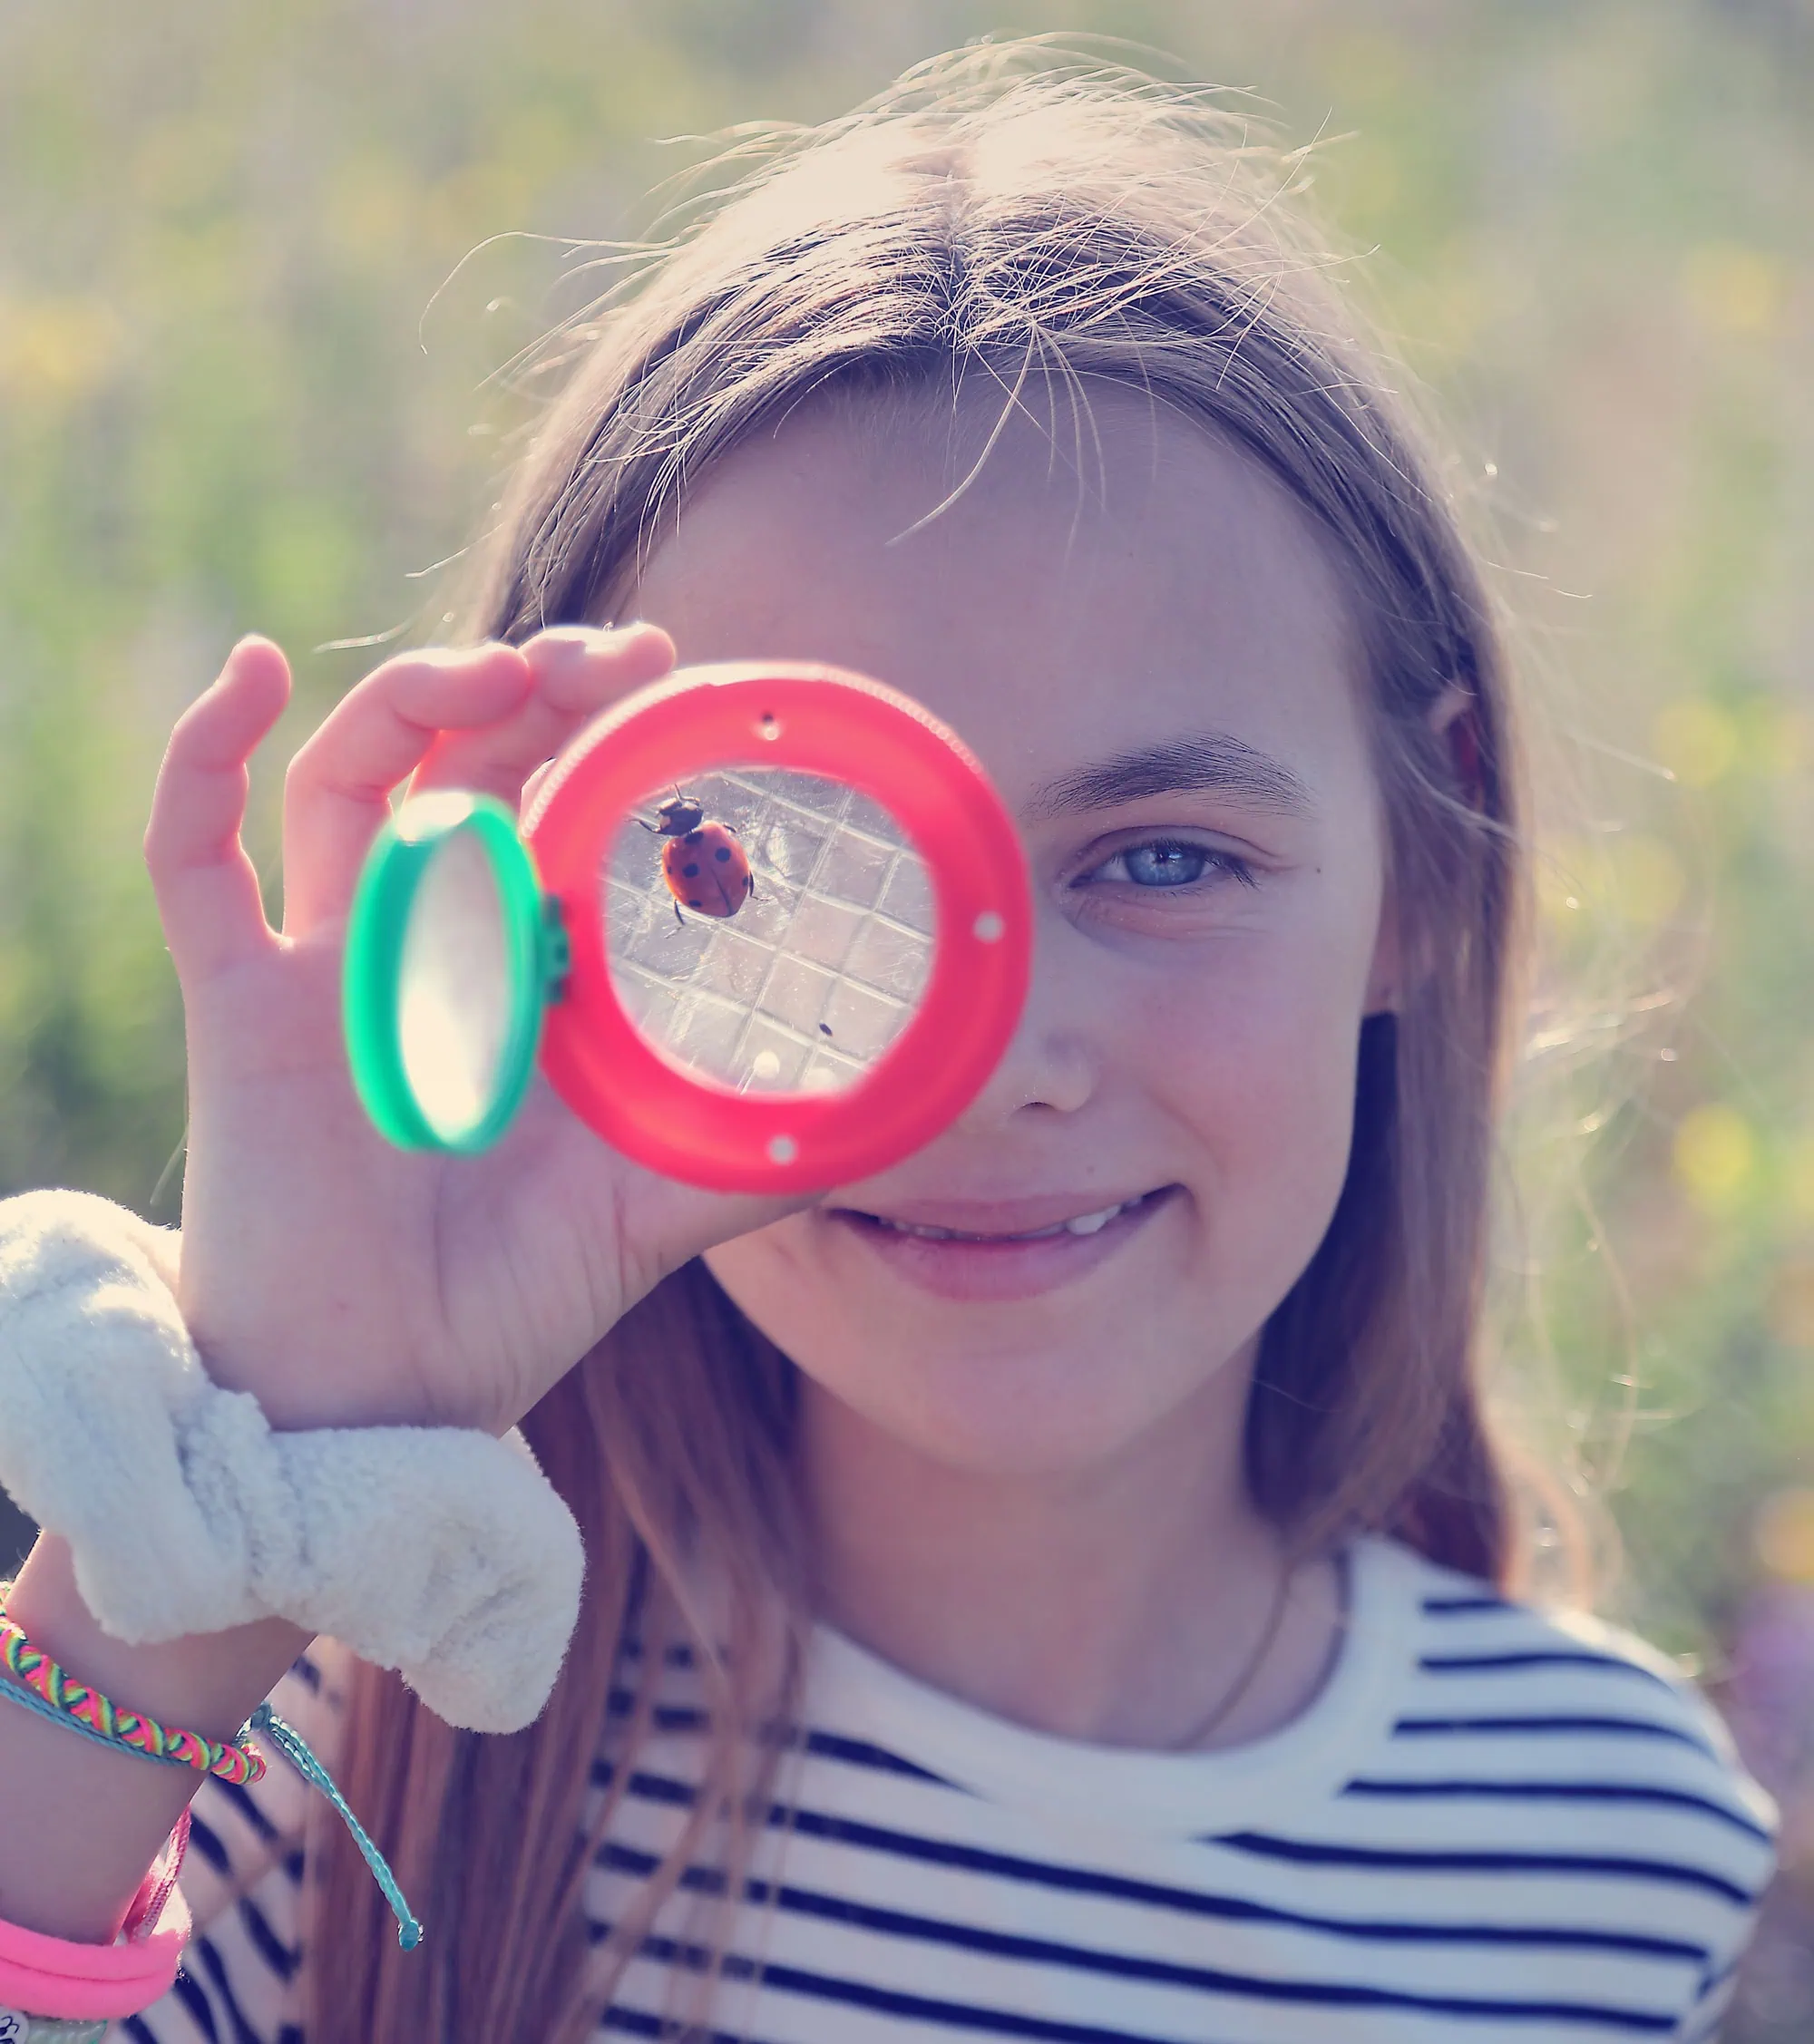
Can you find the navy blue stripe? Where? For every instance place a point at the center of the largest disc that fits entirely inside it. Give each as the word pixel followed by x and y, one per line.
pixel 196 2005
pixel 218 1971
pixel 1710 2010
pixel 920 2008
pixel 860 1753
pixel 1713 2003
pixel 824 1746
pixel 1042 1951
pixel 664 1716
pixel 1629 1728
pixel 1669 1873
pixel 243 2032
pixel 1557 1792
pixel 677 1655
pixel 270 1948
pixel 136 2031
pixel 1454 1607
pixel 1186 1902
pixel 203 1839
pixel 638 2023
pixel 926 2009
pixel 242 1800
pixel 1549 1657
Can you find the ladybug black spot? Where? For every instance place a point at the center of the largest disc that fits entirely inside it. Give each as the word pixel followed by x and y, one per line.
pixel 693 904
pixel 722 854
pixel 689 872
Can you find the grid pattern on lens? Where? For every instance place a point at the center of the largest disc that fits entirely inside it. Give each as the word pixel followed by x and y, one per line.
pixel 815 976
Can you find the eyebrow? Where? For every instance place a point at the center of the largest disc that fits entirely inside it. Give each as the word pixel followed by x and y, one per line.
pixel 1215 761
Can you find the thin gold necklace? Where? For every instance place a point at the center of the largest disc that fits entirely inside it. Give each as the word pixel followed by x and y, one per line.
pixel 1255 1661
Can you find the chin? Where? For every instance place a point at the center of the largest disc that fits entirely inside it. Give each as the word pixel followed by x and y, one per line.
pixel 1026 1424
pixel 1003 1398
pixel 1061 1362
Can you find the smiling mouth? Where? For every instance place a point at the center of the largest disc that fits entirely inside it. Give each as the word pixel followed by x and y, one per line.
pixel 1079 1225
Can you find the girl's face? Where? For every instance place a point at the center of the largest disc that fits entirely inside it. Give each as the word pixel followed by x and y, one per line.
pixel 1154 663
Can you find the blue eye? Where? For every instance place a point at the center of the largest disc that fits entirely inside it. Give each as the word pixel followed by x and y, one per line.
pixel 1165 865
pixel 1162 866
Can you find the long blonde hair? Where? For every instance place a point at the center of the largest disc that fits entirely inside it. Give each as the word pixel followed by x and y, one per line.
pixel 1008 213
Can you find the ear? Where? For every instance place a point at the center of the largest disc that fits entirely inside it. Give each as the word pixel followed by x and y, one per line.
pixel 1451 718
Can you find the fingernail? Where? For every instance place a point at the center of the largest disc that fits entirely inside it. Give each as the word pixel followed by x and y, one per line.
pixel 640 628
pixel 572 642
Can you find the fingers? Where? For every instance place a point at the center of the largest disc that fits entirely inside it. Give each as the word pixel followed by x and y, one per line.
pixel 576 672
pixel 337 791
pixel 641 1224
pixel 207 889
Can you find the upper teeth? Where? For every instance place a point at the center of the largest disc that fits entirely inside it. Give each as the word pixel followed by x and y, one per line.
pixel 1088 1223
pixel 1079 1225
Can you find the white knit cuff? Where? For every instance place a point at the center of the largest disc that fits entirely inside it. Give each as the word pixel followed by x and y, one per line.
pixel 438 1551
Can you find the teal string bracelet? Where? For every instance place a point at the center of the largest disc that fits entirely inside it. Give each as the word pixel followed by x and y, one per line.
pixel 290 1743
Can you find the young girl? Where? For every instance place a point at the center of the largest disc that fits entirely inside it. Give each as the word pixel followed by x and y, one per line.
pixel 1062 1587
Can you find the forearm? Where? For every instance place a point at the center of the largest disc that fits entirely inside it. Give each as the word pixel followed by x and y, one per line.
pixel 83 1823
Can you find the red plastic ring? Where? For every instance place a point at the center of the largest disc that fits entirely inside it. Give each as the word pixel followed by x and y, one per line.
pixel 815 720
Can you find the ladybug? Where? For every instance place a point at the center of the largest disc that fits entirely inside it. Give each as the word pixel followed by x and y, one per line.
pixel 704 865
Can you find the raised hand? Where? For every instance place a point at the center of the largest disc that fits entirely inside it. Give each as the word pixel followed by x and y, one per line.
pixel 342 1281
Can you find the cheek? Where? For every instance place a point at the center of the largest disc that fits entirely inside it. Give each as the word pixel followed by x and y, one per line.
pixel 1259 1067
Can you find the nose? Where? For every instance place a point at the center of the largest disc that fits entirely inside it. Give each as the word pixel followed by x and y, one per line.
pixel 1052 1064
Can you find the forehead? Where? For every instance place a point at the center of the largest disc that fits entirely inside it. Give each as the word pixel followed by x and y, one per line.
pixel 1060 579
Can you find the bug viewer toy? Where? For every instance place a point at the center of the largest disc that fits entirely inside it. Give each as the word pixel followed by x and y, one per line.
pixel 765 927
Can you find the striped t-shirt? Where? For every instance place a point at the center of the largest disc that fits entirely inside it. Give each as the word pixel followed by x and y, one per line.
pixel 1493 1824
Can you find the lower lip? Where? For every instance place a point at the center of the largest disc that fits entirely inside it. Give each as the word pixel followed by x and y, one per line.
pixel 1003 1269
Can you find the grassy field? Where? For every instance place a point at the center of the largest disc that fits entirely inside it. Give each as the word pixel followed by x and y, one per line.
pixel 258 266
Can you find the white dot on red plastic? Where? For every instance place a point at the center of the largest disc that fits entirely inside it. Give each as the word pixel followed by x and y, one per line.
pixel 989 927
pixel 782 1149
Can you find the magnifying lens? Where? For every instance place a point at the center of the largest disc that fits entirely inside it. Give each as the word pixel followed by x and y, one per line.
pixel 765 928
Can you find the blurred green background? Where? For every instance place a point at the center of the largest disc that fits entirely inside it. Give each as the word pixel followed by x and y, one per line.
pixel 234 394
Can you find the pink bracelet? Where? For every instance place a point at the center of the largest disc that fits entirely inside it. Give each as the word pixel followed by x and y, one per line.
pixel 61 1977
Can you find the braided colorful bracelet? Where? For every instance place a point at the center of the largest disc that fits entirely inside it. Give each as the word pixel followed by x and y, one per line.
pixel 76 1703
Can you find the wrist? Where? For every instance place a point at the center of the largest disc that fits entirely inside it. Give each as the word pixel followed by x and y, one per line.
pixel 209 1681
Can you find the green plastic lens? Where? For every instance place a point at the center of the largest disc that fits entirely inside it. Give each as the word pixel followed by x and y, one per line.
pixel 447 970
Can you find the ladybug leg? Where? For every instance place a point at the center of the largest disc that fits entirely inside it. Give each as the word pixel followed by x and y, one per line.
pixel 678 917
pixel 748 885
pixel 650 828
